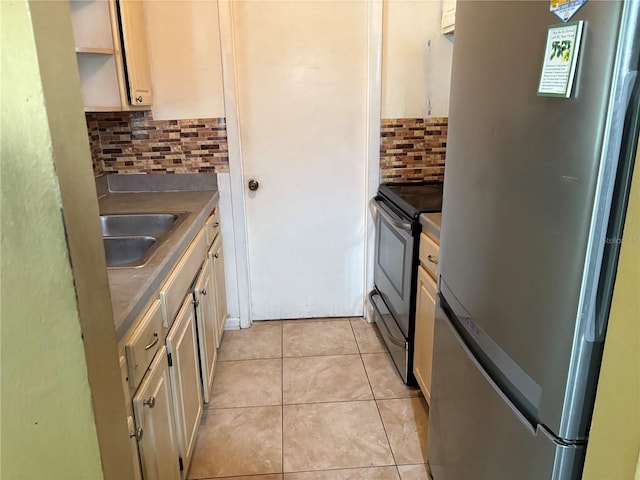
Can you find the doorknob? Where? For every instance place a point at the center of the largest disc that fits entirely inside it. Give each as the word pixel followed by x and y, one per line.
pixel 253 185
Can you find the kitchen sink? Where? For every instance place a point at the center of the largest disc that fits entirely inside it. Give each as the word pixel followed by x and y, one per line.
pixel 130 251
pixel 136 224
pixel 130 239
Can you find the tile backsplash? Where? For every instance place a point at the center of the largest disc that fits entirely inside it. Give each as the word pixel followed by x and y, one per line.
pixel 413 149
pixel 94 143
pixel 132 142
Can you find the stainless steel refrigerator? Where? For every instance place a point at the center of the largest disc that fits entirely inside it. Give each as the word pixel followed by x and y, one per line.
pixel 534 198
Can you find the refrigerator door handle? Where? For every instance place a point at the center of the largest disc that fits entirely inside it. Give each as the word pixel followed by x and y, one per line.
pixel 532 428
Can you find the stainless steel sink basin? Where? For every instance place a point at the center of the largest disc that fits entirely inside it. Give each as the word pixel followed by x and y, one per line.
pixel 130 251
pixel 130 239
pixel 136 224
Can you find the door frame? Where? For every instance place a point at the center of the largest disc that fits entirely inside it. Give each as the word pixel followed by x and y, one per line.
pixel 371 170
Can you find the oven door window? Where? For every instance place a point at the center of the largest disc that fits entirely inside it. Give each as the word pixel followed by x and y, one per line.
pixel 392 248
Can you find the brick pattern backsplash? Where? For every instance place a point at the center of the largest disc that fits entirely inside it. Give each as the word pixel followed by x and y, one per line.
pixel 413 149
pixel 94 143
pixel 132 142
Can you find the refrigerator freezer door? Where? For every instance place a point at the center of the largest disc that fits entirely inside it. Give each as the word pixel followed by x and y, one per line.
pixel 475 433
pixel 520 188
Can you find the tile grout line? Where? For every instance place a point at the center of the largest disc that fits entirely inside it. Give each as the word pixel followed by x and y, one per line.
pixel 324 402
pixel 338 469
pixel 282 404
pixel 386 435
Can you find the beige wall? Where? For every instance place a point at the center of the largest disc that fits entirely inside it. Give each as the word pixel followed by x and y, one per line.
pixel 416 60
pixel 63 413
pixel 614 444
pixel 184 49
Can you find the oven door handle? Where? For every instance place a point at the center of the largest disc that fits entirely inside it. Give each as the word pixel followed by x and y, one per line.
pixel 379 207
pixel 401 343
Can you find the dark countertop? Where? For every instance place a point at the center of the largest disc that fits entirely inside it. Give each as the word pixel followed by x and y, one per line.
pixel 132 288
pixel 431 223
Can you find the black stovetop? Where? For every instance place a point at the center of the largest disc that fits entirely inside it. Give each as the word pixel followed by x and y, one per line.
pixel 413 198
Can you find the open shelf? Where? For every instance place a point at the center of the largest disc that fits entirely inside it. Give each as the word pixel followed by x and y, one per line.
pixel 98 78
pixel 95 50
pixel 91 24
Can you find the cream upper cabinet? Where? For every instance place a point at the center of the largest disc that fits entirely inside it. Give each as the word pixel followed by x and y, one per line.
pixel 104 79
pixel 182 346
pixel 97 53
pixel 136 54
pixel 153 409
pixel 448 15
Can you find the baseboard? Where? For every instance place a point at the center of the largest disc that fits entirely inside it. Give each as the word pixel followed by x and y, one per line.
pixel 232 323
pixel 369 315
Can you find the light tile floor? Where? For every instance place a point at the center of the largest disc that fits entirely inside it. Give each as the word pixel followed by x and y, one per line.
pixel 310 400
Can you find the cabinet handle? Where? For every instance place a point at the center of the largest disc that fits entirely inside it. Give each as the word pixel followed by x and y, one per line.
pixel 150 402
pixel 217 224
pixel 155 334
pixel 203 291
pixel 137 434
pixel 139 99
pixel 216 255
pixel 432 259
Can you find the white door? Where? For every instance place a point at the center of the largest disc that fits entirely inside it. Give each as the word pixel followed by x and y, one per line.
pixel 301 71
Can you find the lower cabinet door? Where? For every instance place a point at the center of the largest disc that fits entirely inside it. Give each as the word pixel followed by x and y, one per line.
pixel 205 299
pixel 155 419
pixel 425 322
pixel 184 368
pixel 217 260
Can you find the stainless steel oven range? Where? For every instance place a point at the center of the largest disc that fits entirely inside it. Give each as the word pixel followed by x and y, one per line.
pixel 398 208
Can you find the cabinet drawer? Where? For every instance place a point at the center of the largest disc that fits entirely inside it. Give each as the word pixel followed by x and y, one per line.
pixel 143 343
pixel 429 251
pixel 212 227
pixel 177 284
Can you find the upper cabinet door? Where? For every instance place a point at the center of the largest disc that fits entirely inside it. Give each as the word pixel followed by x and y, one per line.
pixel 448 16
pixel 135 51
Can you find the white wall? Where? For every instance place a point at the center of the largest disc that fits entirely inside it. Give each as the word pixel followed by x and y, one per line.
pixel 184 50
pixel 416 60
